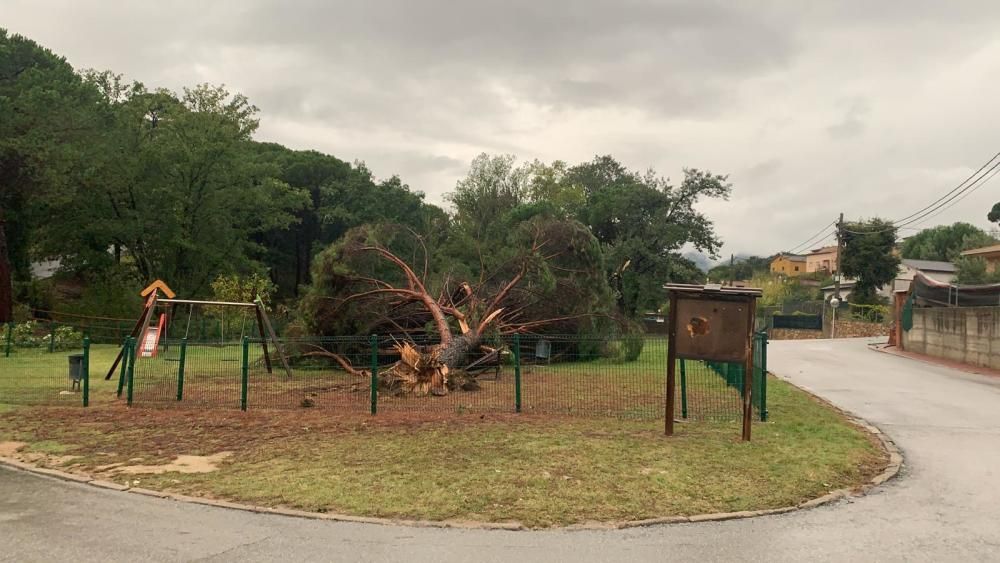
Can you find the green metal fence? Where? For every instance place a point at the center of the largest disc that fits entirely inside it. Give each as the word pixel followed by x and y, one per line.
pixel 552 375
pixel 35 376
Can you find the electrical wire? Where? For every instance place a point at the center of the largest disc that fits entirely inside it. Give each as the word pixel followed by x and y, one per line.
pixel 965 195
pixel 810 240
pixel 953 190
pixel 944 202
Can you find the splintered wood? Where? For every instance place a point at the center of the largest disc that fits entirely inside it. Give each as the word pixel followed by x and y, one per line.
pixel 419 372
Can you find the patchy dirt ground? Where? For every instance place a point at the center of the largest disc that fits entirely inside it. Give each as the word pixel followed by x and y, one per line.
pixel 539 470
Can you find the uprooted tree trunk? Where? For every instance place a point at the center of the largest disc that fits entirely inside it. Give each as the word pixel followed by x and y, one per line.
pixel 434 370
pixel 439 368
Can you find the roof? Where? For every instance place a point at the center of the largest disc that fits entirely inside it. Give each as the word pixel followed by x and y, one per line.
pixel 824 250
pixel 790 257
pixel 983 250
pixel 713 289
pixel 931 266
pixel 843 285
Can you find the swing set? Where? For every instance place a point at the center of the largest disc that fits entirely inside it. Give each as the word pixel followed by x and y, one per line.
pixel 149 329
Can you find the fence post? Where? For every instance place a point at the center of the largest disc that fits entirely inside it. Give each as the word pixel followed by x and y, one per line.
pixel 517 372
pixel 373 341
pixel 86 371
pixel 684 390
pixel 126 356
pixel 245 383
pixel 180 369
pixel 763 377
pixel 52 336
pixel 130 375
pixel 10 338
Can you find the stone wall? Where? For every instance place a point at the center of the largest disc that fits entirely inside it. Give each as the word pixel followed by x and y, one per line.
pixel 853 329
pixel 793 334
pixel 845 329
pixel 965 334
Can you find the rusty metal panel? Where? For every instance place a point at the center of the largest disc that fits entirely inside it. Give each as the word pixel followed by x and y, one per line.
pixel 712 328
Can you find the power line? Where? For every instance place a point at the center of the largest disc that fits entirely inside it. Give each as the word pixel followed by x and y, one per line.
pixel 981 180
pixel 953 190
pixel 965 195
pixel 810 240
pixel 944 202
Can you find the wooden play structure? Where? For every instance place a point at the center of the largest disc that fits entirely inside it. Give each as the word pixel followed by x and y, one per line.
pixel 150 328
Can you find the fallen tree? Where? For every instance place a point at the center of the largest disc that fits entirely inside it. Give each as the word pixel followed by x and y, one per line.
pixel 538 286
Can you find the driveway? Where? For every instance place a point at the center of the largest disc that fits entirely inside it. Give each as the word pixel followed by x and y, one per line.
pixel 944 507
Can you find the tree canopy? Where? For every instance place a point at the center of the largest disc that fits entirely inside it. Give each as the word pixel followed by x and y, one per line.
pixel 122 183
pixel 742 268
pixel 945 242
pixel 869 257
pixel 641 220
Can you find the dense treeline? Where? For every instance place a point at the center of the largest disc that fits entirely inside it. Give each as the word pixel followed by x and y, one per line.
pixel 122 183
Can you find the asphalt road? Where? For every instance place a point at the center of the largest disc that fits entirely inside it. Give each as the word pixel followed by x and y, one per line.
pixel 944 507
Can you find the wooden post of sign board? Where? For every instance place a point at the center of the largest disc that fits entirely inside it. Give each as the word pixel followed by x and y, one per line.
pixel 748 372
pixel 671 366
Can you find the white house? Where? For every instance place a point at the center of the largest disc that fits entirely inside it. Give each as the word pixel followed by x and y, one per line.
pixel 938 271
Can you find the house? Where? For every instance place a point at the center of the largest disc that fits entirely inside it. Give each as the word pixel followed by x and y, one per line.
pixel 846 287
pixel 991 254
pixel 45 269
pixel 791 265
pixel 938 271
pixel 822 260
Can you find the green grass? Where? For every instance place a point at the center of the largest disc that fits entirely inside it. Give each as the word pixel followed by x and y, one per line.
pixel 539 471
pixel 212 379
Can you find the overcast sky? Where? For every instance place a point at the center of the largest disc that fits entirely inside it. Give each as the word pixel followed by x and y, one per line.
pixel 862 107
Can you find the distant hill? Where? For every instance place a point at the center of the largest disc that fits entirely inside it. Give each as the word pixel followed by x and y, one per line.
pixel 703 262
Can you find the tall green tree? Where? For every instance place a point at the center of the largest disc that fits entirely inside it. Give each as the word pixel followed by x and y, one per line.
pixel 341 196
pixel 46 118
pixel 945 242
pixel 973 270
pixel 643 222
pixel 994 214
pixel 869 257
pixel 173 188
pixel 742 268
pixel 493 187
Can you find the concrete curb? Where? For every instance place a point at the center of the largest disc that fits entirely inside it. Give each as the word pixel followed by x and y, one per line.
pixel 891 470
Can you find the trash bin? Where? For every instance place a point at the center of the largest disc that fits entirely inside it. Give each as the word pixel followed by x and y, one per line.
pixel 75 369
pixel 543 350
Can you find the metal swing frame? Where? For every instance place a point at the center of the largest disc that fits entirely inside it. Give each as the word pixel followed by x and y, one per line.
pixel 263 324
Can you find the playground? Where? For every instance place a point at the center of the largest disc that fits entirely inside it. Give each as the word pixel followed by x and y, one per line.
pixel 546 430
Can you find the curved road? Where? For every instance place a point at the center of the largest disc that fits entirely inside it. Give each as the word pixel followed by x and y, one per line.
pixel 945 505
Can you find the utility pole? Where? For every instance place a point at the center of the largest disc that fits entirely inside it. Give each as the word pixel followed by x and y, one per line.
pixel 835 302
pixel 732 270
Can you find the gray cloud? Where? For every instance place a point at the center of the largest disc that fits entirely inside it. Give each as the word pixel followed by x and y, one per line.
pixel 813 108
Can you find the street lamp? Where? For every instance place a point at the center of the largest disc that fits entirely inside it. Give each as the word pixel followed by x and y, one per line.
pixel 834 302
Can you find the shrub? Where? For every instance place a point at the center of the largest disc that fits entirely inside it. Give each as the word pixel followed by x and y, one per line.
pixel 31 334
pixel 25 335
pixel 66 338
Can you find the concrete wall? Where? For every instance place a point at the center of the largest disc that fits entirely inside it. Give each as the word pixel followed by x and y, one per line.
pixel 964 334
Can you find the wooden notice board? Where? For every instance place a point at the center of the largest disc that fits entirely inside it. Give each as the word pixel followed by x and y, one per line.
pixel 711 323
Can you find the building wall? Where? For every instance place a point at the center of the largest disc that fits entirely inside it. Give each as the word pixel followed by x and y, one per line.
pixel 992 263
pixel 822 261
pixel 964 334
pixel 783 265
